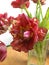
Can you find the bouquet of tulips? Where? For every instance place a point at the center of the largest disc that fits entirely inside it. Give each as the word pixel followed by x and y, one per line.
pixel 28 31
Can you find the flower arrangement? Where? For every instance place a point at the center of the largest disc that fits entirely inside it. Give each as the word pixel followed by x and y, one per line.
pixel 28 32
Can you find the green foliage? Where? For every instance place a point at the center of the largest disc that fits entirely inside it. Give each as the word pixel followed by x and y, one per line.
pixel 47 36
pixel 45 21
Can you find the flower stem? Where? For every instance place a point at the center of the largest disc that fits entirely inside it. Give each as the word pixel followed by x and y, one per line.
pixel 28 63
pixel 29 57
pixel 28 13
pixel 39 11
pixel 41 61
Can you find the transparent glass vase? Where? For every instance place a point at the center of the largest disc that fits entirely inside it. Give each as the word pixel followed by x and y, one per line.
pixel 37 56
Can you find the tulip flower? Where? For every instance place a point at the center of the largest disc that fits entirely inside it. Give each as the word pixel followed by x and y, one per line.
pixel 3 51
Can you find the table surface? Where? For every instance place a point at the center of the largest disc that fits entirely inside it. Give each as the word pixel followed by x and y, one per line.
pixel 17 58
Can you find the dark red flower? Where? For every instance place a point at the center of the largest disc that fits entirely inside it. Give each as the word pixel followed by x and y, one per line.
pixel 3 19
pixel 24 32
pixel 42 1
pixel 5 22
pixel 3 51
pixel 20 3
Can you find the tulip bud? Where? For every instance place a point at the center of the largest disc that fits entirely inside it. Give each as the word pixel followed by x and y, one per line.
pixel 3 51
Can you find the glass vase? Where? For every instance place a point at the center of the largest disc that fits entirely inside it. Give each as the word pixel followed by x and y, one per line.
pixel 37 56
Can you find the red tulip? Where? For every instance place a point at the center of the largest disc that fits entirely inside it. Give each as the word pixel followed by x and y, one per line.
pixel 5 22
pixel 20 3
pixel 42 1
pixel 24 33
pixel 3 51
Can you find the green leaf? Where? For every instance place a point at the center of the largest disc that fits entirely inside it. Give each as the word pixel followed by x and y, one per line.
pixel 28 13
pixel 46 39
pixel 45 21
pixel 39 15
